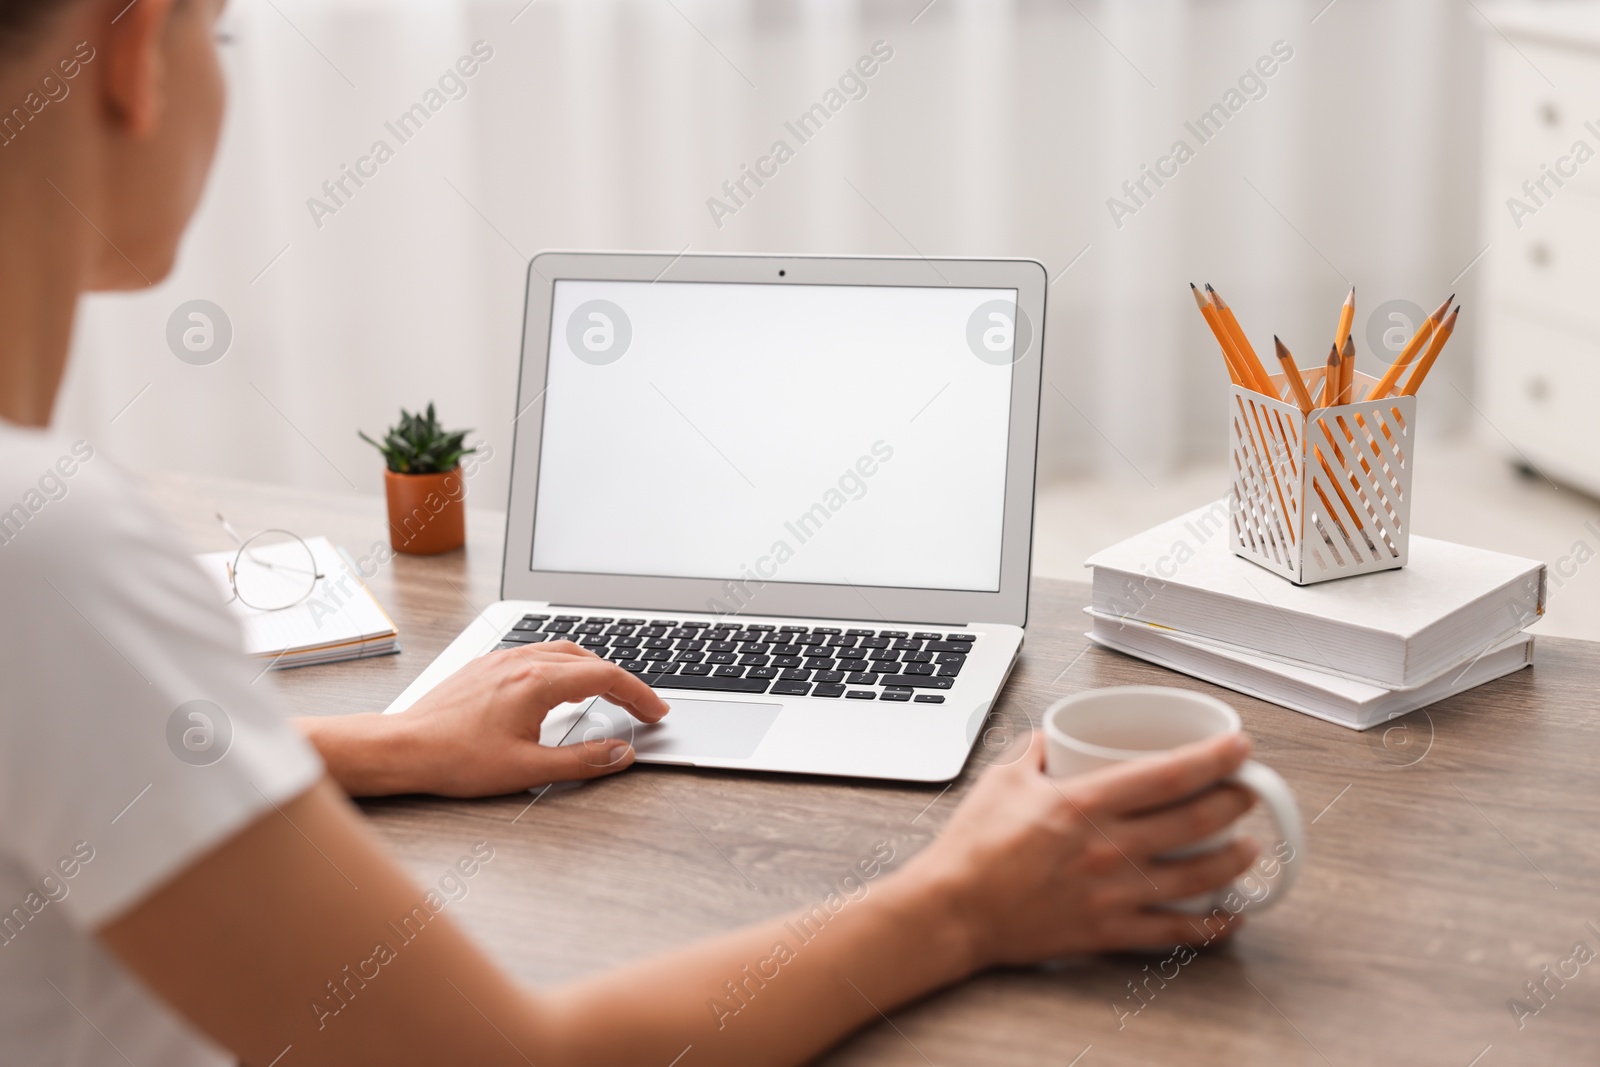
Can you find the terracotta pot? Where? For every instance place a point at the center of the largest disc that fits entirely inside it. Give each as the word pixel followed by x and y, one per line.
pixel 427 512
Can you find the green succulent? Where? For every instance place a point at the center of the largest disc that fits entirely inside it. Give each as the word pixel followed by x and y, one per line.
pixel 416 445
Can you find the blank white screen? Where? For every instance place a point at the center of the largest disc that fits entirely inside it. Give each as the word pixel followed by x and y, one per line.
pixel 798 433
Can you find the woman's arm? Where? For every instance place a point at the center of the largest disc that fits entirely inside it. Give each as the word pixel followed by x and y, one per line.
pixel 477 734
pixel 301 932
pixel 1027 870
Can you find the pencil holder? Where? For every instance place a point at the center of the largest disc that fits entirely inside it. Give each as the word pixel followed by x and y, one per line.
pixel 1325 495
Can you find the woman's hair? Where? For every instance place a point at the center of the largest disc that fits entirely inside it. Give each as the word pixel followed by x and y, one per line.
pixel 19 19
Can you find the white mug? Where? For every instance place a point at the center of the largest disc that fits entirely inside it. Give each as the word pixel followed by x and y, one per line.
pixel 1104 727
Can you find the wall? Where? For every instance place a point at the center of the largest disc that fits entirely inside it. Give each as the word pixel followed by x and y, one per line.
pixel 998 128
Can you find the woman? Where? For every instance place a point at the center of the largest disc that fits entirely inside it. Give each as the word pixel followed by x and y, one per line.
pixel 157 912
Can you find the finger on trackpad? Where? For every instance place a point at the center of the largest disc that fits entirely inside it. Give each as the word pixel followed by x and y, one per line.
pixel 693 729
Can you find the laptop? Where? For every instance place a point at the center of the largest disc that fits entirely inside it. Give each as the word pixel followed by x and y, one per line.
pixel 794 494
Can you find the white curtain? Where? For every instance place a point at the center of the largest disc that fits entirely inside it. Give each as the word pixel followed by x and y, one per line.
pixel 998 127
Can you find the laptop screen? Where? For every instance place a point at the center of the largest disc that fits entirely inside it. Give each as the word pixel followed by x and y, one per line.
pixel 824 434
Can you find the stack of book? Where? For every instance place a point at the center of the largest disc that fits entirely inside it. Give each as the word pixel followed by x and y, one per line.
pixel 1355 651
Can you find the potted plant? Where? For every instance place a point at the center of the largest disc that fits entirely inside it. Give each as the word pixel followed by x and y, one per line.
pixel 423 484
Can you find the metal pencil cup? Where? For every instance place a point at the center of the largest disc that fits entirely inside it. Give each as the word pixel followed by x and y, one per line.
pixel 1325 495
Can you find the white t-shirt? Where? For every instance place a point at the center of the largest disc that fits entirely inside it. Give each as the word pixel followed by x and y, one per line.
pixel 134 738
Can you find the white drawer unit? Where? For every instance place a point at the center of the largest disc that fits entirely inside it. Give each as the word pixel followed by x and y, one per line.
pixel 1544 394
pixel 1539 351
pixel 1551 266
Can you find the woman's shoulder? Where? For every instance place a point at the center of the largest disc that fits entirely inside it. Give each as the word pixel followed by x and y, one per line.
pixel 63 503
pixel 40 471
pixel 70 517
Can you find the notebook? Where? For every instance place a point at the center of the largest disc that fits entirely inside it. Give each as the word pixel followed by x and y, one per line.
pixel 340 620
pixel 1395 629
pixel 1358 705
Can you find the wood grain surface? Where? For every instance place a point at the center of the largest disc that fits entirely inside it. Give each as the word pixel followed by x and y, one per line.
pixel 1451 857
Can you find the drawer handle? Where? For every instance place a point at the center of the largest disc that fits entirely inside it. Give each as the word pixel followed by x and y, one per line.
pixel 1550 113
pixel 1538 390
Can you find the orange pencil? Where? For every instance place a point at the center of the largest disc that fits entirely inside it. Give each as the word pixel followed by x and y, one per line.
pixel 1210 315
pixel 1328 398
pixel 1297 384
pixel 1409 352
pixel 1347 315
pixel 1347 371
pixel 1347 365
pixel 1251 368
pixel 1426 363
pixel 1241 343
pixel 1332 387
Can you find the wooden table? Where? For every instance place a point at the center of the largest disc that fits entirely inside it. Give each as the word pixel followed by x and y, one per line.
pixel 1448 863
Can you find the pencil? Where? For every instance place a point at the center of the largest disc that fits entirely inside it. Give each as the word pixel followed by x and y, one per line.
pixel 1347 371
pixel 1332 384
pixel 1333 387
pixel 1347 315
pixel 1425 364
pixel 1210 315
pixel 1241 343
pixel 1297 384
pixel 1347 364
pixel 1409 352
pixel 1251 369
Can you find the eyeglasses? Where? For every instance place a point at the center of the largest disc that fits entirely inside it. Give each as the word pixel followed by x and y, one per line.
pixel 274 569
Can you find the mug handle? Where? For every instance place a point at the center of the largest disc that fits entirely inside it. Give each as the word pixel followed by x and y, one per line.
pixel 1274 792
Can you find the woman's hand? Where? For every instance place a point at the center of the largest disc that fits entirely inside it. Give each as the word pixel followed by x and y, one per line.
pixel 1039 868
pixel 477 733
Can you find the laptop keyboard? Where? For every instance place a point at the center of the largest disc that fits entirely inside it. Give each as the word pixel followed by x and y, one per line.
pixel 724 657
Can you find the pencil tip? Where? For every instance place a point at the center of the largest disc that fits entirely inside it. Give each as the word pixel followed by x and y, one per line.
pixel 1191 285
pixel 1209 289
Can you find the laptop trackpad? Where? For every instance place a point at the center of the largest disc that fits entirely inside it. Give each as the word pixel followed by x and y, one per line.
pixel 694 729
